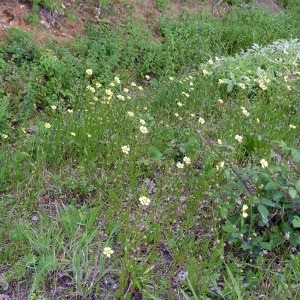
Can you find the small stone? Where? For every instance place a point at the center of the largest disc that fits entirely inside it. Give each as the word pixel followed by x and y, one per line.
pixel 47 25
pixel 5 288
pixel 34 218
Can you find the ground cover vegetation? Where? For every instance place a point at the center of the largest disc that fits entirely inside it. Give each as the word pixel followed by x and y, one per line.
pixel 155 162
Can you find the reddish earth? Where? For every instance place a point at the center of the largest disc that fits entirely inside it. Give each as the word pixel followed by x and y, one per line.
pixel 61 26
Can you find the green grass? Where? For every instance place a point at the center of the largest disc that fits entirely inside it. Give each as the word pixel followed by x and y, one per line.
pixel 69 189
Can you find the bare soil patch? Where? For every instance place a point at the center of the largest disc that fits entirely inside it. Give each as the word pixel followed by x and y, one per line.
pixel 62 26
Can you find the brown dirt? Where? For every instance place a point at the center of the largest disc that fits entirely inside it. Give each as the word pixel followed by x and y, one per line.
pixel 60 27
pixel 220 7
pixel 273 6
pixel 51 24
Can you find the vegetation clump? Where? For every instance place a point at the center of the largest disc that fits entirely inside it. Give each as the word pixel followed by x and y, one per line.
pixel 156 164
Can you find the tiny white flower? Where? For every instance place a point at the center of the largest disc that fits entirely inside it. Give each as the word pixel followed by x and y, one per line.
pixel 244 208
pixel 201 121
pixel 89 72
pixel 239 138
pixel 143 129
pixel 108 251
pixel 263 163
pixel 180 165
pixel 187 160
pixel 246 113
pixel 144 200
pixel 125 149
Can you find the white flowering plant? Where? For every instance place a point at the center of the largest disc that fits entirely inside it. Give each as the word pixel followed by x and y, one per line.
pixel 268 210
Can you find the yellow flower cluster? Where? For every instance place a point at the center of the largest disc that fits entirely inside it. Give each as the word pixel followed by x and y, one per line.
pixel 244 208
pixel 263 82
pixel 186 160
pixel 89 72
pixel 220 165
pixel 91 89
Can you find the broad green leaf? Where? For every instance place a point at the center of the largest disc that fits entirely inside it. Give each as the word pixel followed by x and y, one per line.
pixel 296 222
pixel 285 228
pixel 229 87
pixel 229 147
pixel 227 174
pixel 263 222
pixel 245 229
pixel 277 195
pixel 168 151
pixel 258 240
pixel 245 246
pixel 255 200
pixel 155 154
pixel 265 245
pixel 275 229
pixel 276 168
pixel 146 162
pixel 182 150
pixel 267 202
pixel 293 193
pixel 294 240
pixel 297 185
pixel 172 243
pixel 236 235
pixel 25 154
pixel 288 206
pixel 276 240
pixel 105 20
pixel 149 117
pixel 223 212
pixel 271 186
pixel 85 151
pixel 296 155
pixel 264 212
pixel 229 228
pixel 209 173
